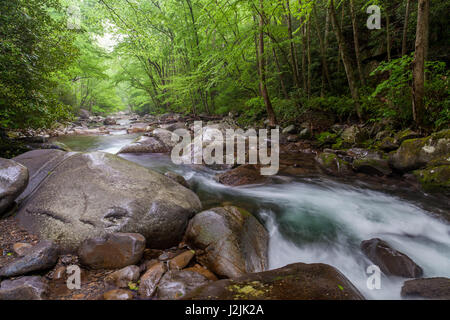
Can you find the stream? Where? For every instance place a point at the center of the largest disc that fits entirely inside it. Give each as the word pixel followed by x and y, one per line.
pixel 314 220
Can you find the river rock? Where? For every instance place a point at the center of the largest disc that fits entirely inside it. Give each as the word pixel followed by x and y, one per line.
pixel 93 194
pixel 138 128
pixel 176 284
pixel 42 256
pixel 242 175
pixel 406 134
pixel 24 288
pixel 293 282
pixel 40 164
pixel 417 153
pixel 181 260
pixel 389 144
pixel 331 164
pixel 112 251
pixel 121 278
pixel 13 181
pixel 203 271
pixel 165 136
pixel 109 121
pixel 233 241
pixel 389 260
pixel 430 288
pixel 150 280
pixel 145 145
pixel 118 294
pixel 84 114
pixel 177 178
pixel 370 162
pixel 353 135
pixel 21 248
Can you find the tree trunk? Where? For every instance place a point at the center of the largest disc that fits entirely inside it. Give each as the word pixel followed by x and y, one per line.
pixel 323 55
pixel 262 68
pixel 280 75
pixel 293 56
pixel 405 28
pixel 308 41
pixel 388 35
pixel 356 41
pixel 419 62
pixel 346 60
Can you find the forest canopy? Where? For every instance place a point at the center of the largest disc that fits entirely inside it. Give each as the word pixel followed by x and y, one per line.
pixel 280 60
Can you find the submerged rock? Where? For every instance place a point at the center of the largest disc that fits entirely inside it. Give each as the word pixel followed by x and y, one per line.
pixel 13 181
pixel 25 288
pixel 431 288
pixel 293 282
pixel 112 251
pixel 233 241
pixel 176 284
pixel 93 194
pixel 42 256
pixel 389 260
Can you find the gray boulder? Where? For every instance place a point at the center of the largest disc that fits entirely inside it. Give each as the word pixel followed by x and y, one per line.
pixel 42 256
pixel 430 288
pixel 13 181
pixel 145 145
pixel 233 241
pixel 94 194
pixel 25 288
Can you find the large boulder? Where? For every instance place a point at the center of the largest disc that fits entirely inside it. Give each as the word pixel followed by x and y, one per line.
pixel 42 256
pixel 435 178
pixel 13 181
pixel 232 241
pixel 93 194
pixel 176 284
pixel 293 282
pixel 146 145
pixel 417 153
pixel 331 164
pixel 389 260
pixel 370 162
pixel 25 288
pixel 431 288
pixel 353 135
pixel 40 164
pixel 112 251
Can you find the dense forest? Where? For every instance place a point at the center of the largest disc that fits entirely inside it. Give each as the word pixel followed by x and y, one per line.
pixel 282 60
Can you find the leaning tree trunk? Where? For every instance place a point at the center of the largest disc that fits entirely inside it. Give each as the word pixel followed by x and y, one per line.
pixel 262 68
pixel 419 62
pixel 293 55
pixel 346 60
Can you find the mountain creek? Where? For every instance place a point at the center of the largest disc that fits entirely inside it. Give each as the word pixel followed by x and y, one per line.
pixel 310 218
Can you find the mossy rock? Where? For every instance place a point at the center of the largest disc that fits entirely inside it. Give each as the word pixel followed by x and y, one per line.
pixel 330 163
pixel 373 166
pixel 435 179
pixel 406 135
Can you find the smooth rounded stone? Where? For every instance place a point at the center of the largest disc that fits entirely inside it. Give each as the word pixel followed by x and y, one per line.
pixel 389 260
pixel 118 294
pixel 177 178
pixel 121 278
pixel 145 145
pixel 203 271
pixel 176 284
pixel 92 194
pixel 21 248
pixel 13 181
pixel 417 153
pixel 242 175
pixel 174 126
pixel 233 242
pixel 138 128
pixel 429 288
pixel 150 280
pixel 40 164
pixel 42 256
pixel 293 282
pixel 372 163
pixel 331 164
pixel 109 121
pixel 112 251
pixel 181 260
pixel 169 139
pixel 24 288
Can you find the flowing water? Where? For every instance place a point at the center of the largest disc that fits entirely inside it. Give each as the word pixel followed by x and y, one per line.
pixel 316 220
